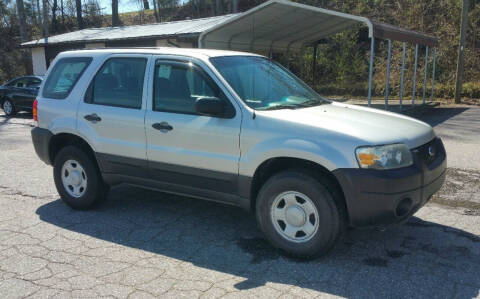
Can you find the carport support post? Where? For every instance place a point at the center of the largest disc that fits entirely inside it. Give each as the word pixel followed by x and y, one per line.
pixel 370 76
pixel 387 82
pixel 415 75
pixel 425 76
pixel 433 72
pixel 402 76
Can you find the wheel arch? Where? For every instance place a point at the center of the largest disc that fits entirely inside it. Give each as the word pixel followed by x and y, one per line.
pixel 60 140
pixel 4 98
pixel 272 166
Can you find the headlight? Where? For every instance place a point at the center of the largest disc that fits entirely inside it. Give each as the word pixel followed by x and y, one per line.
pixel 384 157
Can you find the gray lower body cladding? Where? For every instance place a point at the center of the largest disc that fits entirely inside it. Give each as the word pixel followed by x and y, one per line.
pixel 383 197
pixel 373 197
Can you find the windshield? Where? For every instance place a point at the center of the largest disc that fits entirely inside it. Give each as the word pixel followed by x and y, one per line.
pixel 264 84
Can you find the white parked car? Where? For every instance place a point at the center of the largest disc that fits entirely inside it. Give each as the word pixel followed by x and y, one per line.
pixel 236 128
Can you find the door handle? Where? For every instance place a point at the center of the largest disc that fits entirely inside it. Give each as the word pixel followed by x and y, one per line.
pixel 163 126
pixel 92 117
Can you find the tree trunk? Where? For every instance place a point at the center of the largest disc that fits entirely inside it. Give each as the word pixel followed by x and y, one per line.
pixel 34 14
pixel 39 14
pixel 197 7
pixel 54 16
pixel 115 18
pixel 23 35
pixel 63 13
pixel 78 4
pixel 235 6
pixel 45 18
pixel 146 5
pixel 218 7
pixel 155 12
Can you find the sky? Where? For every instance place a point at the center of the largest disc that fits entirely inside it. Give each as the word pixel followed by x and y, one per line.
pixel 123 5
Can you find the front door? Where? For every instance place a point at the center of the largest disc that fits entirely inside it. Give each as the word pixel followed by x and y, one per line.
pixel 191 153
pixel 113 112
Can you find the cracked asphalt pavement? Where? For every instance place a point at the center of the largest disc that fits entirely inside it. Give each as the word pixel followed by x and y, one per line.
pixel 144 244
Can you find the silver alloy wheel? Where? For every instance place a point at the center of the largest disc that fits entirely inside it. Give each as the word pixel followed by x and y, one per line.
pixel 74 178
pixel 7 107
pixel 294 216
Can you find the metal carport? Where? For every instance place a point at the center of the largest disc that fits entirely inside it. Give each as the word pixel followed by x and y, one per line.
pixel 285 26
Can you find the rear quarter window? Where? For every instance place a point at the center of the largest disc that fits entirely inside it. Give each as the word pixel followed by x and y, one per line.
pixel 64 76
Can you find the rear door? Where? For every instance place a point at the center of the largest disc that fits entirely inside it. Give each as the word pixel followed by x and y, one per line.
pixel 112 114
pixel 192 153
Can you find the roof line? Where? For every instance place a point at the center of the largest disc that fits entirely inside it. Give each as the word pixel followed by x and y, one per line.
pixel 44 41
pixel 92 41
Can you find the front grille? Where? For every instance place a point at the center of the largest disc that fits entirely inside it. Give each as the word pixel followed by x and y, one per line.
pixel 428 152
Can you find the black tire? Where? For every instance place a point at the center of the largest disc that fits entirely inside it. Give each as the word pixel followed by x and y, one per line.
pixel 12 112
pixel 96 190
pixel 325 199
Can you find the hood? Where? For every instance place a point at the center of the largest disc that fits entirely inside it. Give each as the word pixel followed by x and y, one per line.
pixel 366 125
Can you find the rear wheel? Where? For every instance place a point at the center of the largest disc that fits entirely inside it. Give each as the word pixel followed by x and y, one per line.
pixel 8 108
pixel 78 179
pixel 299 214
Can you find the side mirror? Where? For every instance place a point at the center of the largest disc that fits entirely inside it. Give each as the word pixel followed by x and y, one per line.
pixel 211 106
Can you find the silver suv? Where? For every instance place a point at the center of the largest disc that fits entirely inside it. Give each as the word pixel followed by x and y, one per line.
pixel 236 128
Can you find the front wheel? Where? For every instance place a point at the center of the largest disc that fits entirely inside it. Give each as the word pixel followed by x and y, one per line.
pixel 78 179
pixel 299 214
pixel 8 108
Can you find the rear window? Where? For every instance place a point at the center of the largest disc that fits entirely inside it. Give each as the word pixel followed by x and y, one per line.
pixel 64 76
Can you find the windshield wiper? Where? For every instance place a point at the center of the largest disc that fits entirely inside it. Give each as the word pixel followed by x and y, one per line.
pixel 313 102
pixel 280 106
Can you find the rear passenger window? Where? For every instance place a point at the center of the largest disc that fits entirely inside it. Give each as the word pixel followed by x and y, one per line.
pixel 118 83
pixel 64 76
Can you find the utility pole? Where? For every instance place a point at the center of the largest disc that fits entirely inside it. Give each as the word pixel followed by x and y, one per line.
pixel 461 48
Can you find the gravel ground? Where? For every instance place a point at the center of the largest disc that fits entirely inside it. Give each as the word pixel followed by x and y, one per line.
pixel 144 244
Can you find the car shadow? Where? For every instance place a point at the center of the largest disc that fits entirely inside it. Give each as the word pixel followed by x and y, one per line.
pixel 418 259
pixel 4 119
pixel 436 115
pixel 20 115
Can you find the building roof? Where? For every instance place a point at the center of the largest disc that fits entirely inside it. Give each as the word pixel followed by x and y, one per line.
pixel 277 25
pixel 187 28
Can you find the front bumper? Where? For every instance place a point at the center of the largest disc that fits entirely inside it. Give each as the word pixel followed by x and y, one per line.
pixel 383 197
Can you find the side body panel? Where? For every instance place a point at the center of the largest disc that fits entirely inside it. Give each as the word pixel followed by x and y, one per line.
pixel 201 152
pixel 119 137
pixel 60 116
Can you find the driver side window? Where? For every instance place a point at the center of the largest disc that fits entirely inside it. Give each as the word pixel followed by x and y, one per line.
pixel 177 86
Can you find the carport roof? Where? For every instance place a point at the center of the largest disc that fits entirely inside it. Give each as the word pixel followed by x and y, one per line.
pixel 284 25
pixel 278 25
